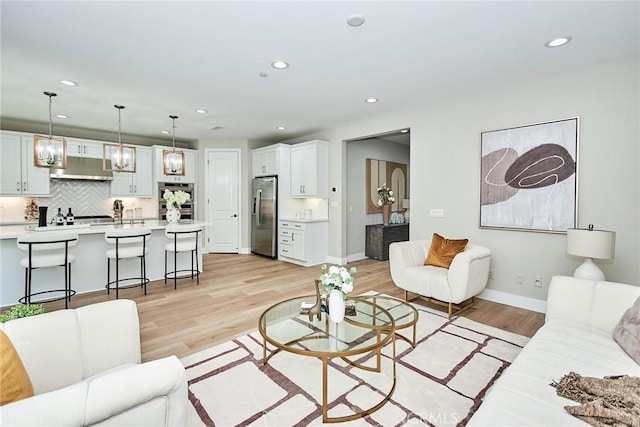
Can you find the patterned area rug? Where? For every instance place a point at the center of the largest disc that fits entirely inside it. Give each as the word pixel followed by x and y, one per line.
pixel 440 382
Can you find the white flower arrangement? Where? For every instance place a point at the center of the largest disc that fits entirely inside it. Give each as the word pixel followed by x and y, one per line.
pixel 175 199
pixel 337 277
pixel 385 195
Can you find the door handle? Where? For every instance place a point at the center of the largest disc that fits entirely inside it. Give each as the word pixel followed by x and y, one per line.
pixel 234 216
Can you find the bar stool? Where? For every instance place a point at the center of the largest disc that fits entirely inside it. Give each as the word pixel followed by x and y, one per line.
pixel 129 243
pixel 47 249
pixel 183 238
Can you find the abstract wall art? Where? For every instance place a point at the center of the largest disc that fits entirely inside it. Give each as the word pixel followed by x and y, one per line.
pixel 529 177
pixel 393 174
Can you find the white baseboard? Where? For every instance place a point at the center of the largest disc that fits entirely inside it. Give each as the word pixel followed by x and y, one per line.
pixel 356 257
pixel 244 251
pixel 519 301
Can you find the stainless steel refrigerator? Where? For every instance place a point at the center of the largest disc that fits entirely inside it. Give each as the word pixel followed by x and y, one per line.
pixel 264 216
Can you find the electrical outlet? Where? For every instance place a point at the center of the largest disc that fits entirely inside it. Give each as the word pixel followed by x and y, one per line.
pixel 519 278
pixel 491 273
pixel 537 281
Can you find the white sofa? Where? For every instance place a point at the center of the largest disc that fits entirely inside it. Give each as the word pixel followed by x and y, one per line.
pixel 466 277
pixel 576 336
pixel 85 368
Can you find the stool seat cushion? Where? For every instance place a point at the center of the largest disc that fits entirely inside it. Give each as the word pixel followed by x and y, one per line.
pixel 127 251
pixel 46 260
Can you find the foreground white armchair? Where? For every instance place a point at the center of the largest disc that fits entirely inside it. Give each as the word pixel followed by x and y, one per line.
pixel 85 368
pixel 463 280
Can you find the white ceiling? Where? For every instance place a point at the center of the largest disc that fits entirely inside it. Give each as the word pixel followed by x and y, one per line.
pixel 159 58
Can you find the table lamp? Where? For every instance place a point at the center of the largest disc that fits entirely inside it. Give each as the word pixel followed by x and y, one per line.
pixel 590 244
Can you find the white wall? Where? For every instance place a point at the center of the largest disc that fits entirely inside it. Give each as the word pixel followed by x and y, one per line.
pixel 445 161
pixel 357 217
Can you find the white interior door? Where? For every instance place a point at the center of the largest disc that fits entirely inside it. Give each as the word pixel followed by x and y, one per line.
pixel 222 191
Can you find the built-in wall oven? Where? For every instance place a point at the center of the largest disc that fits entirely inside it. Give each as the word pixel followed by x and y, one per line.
pixel 187 211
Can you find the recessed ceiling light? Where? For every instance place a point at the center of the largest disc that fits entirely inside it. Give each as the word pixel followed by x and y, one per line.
pixel 281 128
pixel 355 20
pixel 558 41
pixel 279 65
pixel 68 82
pixel 371 100
pixel 201 111
pixel 165 132
pixel 62 116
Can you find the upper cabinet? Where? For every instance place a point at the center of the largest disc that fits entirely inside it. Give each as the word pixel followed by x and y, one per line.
pixel 269 160
pixel 19 176
pixel 190 165
pixel 83 148
pixel 310 169
pixel 139 183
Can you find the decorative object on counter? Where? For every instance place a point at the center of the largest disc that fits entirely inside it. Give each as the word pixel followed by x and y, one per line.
pixel 21 310
pixel 173 160
pixel 385 200
pixel 405 206
pixel 70 219
pixel 31 211
pixel 175 199
pixel 119 157
pixel 42 216
pixel 339 282
pixel 589 244
pixel 50 151
pixel 59 217
pixel 118 207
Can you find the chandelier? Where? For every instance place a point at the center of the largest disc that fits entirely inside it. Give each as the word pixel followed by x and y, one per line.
pixel 119 157
pixel 50 151
pixel 173 160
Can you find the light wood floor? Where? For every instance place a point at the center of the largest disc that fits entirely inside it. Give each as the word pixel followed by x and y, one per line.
pixel 235 289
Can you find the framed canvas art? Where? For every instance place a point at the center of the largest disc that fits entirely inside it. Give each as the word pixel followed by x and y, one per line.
pixel 529 177
pixel 380 172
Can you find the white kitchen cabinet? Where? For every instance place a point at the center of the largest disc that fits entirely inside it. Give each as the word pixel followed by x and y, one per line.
pixel 303 243
pixel 269 160
pixel 84 148
pixel 19 176
pixel 310 169
pixel 190 166
pixel 137 184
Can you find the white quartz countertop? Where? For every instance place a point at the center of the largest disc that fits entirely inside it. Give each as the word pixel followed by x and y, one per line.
pixel 13 231
pixel 305 220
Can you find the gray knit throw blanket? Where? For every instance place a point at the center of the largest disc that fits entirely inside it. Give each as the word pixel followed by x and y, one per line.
pixel 608 401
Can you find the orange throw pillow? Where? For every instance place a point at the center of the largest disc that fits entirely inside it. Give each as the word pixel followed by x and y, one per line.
pixel 15 381
pixel 442 251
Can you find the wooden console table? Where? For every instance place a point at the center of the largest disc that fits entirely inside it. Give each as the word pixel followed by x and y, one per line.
pixel 379 237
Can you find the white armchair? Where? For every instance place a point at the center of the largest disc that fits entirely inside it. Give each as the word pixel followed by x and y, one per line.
pixel 466 277
pixel 84 365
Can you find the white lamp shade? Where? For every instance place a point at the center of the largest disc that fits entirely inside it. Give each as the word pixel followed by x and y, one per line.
pixel 405 203
pixel 586 243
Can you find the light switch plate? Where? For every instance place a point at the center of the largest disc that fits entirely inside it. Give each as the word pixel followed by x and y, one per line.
pixel 436 213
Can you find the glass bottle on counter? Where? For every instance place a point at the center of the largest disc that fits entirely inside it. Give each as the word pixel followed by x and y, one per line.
pixel 59 217
pixel 70 218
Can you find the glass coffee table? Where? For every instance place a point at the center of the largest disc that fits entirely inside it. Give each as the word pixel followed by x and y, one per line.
pixel 404 314
pixel 369 330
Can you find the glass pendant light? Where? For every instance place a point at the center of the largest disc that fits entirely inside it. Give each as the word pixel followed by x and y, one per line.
pixel 119 157
pixel 173 160
pixel 50 151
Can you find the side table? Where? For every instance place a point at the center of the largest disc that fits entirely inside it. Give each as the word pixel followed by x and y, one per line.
pixel 379 237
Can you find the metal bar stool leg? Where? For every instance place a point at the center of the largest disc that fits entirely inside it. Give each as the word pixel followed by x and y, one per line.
pixel 108 275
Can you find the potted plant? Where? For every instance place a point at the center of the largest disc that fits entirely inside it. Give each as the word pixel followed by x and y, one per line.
pixel 21 310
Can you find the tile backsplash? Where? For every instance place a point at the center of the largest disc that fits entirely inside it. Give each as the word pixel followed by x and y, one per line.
pixel 83 197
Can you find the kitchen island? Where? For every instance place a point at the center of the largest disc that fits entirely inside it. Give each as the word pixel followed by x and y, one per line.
pixel 89 270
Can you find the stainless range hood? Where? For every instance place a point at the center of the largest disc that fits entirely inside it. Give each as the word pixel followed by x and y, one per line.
pixel 83 168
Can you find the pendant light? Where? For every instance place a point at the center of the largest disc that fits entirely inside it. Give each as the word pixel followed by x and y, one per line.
pixel 50 151
pixel 173 160
pixel 119 157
